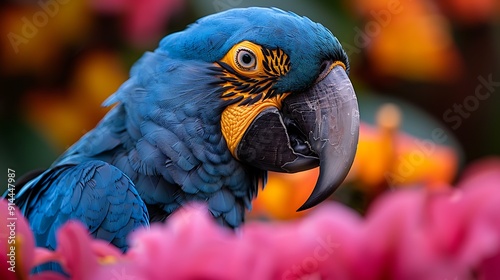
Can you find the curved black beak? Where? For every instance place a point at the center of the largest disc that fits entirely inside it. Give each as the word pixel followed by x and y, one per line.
pixel 316 127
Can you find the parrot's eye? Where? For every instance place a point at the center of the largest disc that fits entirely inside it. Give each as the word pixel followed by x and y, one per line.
pixel 245 59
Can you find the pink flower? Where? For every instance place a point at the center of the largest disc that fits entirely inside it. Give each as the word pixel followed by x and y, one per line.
pixel 16 243
pixel 448 235
pixel 407 234
pixel 482 181
pixel 18 254
pixel 191 246
pixel 81 256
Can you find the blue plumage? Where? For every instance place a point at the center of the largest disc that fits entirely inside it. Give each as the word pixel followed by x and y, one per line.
pixel 306 42
pixel 94 192
pixel 161 145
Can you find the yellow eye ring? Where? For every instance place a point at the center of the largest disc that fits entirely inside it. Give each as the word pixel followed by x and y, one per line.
pixel 245 59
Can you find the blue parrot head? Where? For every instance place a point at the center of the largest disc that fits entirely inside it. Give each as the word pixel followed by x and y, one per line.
pixel 306 44
pixel 275 83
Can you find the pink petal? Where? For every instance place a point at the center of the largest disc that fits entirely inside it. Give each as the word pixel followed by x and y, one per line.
pixel 19 237
pixel 73 245
pixel 480 173
pixel 481 182
pixel 43 255
pixel 102 249
pixel 195 239
pixel 147 19
pixel 395 245
pixel 48 276
pixel 407 234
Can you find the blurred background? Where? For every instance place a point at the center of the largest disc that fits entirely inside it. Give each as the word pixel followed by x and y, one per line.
pixel 427 75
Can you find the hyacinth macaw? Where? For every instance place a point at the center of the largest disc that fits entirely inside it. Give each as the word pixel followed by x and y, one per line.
pixel 203 118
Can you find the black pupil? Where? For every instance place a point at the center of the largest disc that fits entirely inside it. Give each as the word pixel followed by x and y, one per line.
pixel 246 58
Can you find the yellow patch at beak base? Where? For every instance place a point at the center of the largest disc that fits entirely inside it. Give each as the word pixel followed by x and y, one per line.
pixel 236 119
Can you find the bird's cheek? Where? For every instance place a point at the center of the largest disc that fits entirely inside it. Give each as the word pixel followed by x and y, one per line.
pixel 236 119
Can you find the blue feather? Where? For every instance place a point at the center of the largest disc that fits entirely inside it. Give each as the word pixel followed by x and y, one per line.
pixel 222 201
pixel 93 192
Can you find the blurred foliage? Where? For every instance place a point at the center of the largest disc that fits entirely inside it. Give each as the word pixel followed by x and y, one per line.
pixel 62 58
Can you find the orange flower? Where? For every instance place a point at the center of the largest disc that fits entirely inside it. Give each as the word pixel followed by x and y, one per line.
pixel 284 194
pixel 407 39
pixel 64 118
pixel 388 158
pixel 36 34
